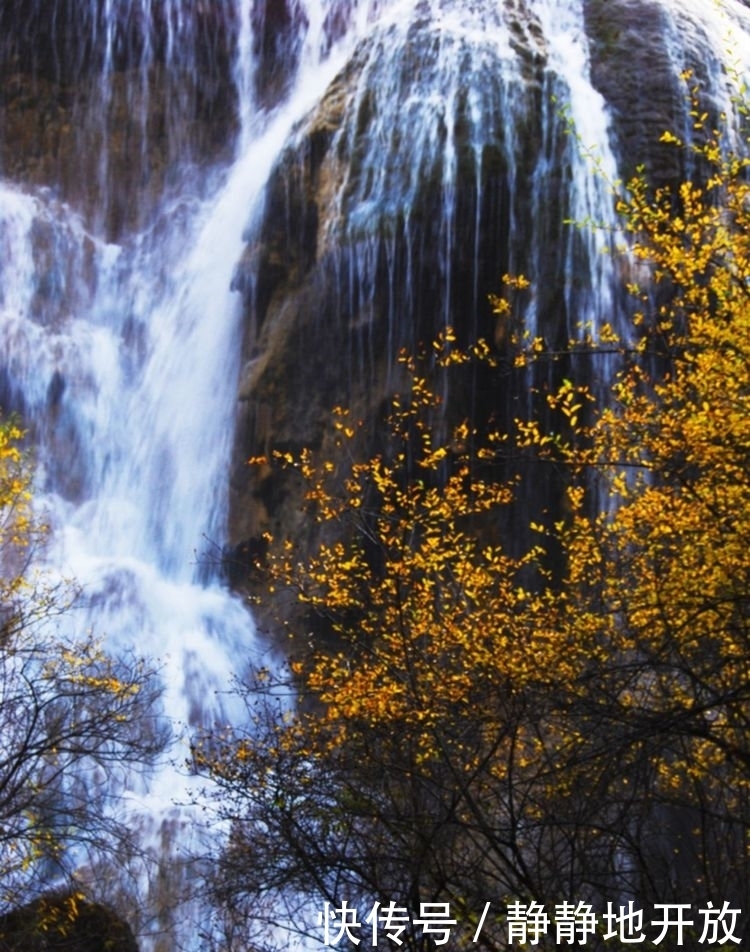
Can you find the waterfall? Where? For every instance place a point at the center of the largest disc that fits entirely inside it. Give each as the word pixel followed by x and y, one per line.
pixel 120 335
pixel 137 140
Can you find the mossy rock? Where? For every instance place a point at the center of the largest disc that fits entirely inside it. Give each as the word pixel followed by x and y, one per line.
pixel 65 921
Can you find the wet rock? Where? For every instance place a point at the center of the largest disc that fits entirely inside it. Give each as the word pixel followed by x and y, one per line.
pixel 64 921
pixel 278 29
pixel 110 126
pixel 638 50
pixel 438 160
pixel 395 208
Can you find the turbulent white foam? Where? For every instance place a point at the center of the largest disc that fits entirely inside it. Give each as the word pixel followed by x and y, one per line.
pixel 128 383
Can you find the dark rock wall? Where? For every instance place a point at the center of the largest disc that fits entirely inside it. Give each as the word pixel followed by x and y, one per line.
pixel 638 52
pixel 432 166
pixel 107 113
pixel 435 163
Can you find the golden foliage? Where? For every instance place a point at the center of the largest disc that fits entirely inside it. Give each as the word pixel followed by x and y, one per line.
pixel 509 729
pixel 71 715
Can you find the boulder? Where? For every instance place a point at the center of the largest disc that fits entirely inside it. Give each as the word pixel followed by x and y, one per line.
pixel 65 921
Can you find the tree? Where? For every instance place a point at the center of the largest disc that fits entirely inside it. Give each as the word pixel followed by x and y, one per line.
pixel 73 718
pixel 564 726
pixel 667 560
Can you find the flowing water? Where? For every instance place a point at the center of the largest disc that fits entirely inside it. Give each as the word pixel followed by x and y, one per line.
pixel 119 334
pixel 122 357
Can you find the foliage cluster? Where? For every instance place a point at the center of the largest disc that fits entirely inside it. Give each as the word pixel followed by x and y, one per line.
pixel 480 728
pixel 73 718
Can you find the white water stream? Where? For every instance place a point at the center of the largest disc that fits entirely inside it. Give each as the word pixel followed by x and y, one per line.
pixel 129 390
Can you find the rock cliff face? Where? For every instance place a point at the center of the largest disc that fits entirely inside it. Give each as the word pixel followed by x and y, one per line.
pixel 103 105
pixel 639 48
pixel 441 158
pixel 112 106
pixel 106 108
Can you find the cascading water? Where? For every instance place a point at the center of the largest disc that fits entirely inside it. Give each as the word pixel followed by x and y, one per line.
pixel 122 356
pixel 136 140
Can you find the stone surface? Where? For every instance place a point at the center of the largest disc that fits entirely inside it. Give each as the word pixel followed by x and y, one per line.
pixel 394 210
pixel 638 50
pixel 57 922
pixel 436 162
pixel 110 132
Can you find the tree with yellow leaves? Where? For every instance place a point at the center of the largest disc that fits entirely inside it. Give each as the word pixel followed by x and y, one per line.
pixel 661 577
pixel 492 732
pixel 71 717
